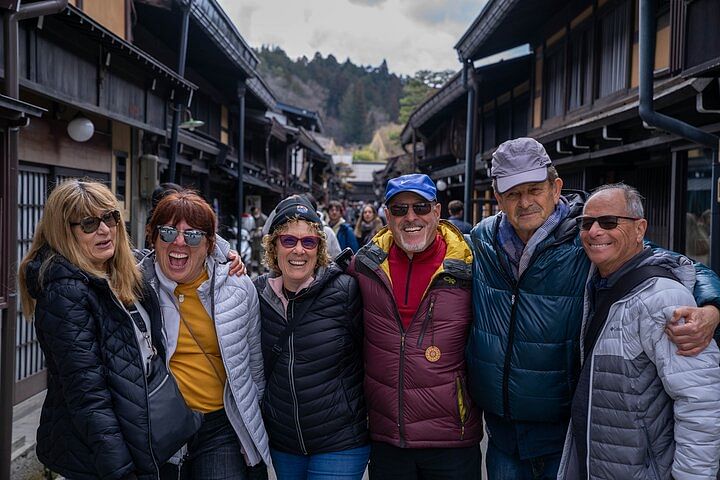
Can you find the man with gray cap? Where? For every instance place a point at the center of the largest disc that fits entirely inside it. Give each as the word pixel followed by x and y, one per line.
pixel 529 274
pixel 415 279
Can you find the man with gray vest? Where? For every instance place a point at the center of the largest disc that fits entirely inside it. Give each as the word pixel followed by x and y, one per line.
pixel 529 273
pixel 639 410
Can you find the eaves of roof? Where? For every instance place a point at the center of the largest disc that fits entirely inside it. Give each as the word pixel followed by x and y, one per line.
pixel 113 42
pixel 490 17
pixel 451 91
pixel 213 19
pixel 307 141
pixel 259 88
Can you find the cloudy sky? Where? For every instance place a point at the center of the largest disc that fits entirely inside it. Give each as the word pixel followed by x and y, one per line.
pixel 410 34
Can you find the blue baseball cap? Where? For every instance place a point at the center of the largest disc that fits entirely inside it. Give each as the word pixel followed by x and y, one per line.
pixel 417 183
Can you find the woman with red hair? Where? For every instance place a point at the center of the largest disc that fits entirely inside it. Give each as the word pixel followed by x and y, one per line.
pixel 213 337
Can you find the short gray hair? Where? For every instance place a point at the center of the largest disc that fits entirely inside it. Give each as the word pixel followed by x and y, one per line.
pixel 633 199
pixel 552 175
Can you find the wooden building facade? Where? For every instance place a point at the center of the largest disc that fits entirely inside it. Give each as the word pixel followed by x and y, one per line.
pixel 114 62
pixel 579 97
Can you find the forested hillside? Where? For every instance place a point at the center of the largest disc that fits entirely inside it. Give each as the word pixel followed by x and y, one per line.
pixel 352 100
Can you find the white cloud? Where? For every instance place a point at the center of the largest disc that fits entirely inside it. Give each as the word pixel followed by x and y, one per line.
pixel 411 35
pixel 367 3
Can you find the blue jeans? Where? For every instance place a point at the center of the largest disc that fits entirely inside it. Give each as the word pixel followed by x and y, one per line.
pixel 214 453
pixel 501 466
pixel 345 464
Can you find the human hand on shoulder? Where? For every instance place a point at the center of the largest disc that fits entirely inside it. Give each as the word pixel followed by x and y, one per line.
pixel 696 331
pixel 237 267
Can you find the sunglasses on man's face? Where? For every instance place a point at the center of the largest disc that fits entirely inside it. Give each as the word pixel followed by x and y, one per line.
pixel 168 234
pixel 606 222
pixel 308 243
pixel 401 209
pixel 91 224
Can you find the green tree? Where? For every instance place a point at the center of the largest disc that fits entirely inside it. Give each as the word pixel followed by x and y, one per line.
pixel 414 93
pixel 419 88
pixel 353 114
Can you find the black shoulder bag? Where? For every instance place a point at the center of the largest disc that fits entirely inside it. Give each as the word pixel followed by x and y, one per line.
pixel 621 288
pixel 172 422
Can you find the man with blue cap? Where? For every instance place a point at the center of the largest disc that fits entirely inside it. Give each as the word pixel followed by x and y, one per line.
pixel 415 277
pixel 529 278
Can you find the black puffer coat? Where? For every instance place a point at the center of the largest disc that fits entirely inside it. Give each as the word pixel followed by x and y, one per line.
pixel 314 395
pixel 94 422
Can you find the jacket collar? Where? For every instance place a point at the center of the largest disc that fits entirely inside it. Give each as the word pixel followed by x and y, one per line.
pixel 458 257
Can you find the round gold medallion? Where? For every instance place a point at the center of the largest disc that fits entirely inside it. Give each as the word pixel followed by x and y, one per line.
pixel 432 353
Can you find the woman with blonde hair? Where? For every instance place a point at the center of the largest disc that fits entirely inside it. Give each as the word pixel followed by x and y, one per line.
pixel 99 327
pixel 368 224
pixel 311 314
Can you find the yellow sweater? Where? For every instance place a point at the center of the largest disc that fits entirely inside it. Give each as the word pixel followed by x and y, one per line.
pixel 196 378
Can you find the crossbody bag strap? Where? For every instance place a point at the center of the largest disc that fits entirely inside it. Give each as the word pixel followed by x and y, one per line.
pixel 140 323
pixel 197 341
pixel 212 318
pixel 621 288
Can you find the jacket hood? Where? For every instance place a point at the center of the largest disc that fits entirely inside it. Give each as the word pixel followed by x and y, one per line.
pixel 680 266
pixel 57 268
pixel 457 247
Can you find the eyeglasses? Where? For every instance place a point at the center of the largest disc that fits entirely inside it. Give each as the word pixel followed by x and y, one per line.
pixel 91 224
pixel 308 243
pixel 401 209
pixel 606 222
pixel 168 234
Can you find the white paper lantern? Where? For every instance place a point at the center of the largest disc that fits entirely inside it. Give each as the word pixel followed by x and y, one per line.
pixel 80 129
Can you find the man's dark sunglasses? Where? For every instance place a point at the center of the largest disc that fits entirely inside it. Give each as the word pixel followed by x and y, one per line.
pixel 308 243
pixel 401 209
pixel 606 222
pixel 168 234
pixel 91 224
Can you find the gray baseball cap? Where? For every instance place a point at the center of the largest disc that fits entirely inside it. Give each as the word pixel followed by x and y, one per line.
pixel 522 160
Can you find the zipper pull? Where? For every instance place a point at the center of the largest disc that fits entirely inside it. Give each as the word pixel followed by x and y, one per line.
pixel 181 298
pixel 402 341
pixel 512 299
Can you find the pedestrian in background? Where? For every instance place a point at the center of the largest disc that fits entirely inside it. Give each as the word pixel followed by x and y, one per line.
pixel 78 281
pixel 343 231
pixel 314 408
pixel 333 246
pixel 368 224
pixel 256 237
pixel 212 325
pixel 455 207
pixel 415 279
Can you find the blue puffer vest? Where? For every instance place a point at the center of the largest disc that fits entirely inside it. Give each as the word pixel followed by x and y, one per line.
pixel 523 352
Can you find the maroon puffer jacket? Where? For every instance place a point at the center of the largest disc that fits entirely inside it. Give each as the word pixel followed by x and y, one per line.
pixel 413 402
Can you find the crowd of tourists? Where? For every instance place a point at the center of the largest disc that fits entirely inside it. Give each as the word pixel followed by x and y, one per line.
pixel 389 344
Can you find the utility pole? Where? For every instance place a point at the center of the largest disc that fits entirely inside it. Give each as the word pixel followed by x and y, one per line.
pixel 177 104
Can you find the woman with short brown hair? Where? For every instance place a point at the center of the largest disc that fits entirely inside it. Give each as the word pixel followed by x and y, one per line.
pixel 213 335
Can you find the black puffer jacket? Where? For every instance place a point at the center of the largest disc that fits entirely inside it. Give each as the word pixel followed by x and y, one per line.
pixel 314 395
pixel 94 422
